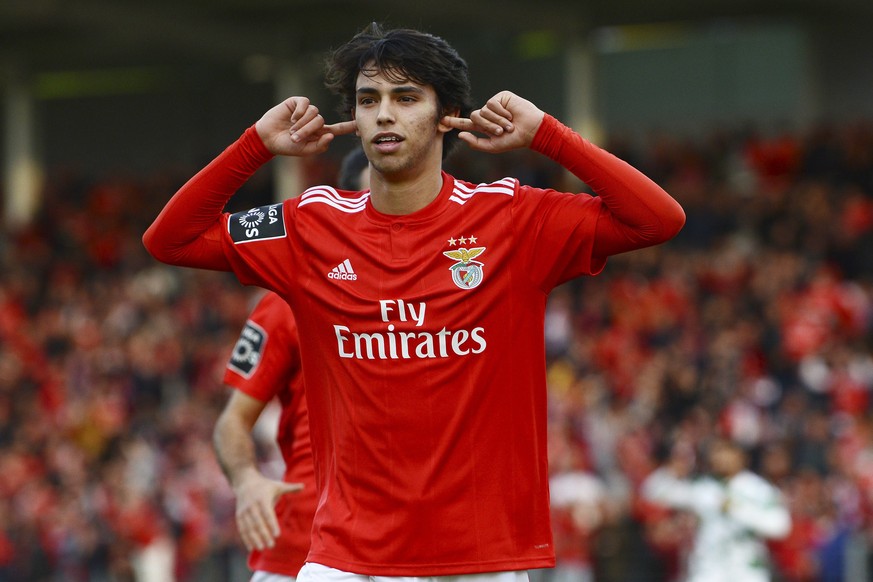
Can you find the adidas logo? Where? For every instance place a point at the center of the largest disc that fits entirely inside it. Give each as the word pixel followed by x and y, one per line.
pixel 343 272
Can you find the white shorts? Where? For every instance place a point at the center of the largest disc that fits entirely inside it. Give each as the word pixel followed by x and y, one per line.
pixel 261 576
pixel 312 572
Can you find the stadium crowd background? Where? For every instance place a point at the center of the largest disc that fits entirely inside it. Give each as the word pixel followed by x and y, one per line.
pixel 754 323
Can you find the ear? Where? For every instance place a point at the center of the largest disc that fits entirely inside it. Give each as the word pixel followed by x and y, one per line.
pixel 442 127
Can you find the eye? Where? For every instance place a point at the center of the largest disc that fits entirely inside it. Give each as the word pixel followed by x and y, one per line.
pixel 366 101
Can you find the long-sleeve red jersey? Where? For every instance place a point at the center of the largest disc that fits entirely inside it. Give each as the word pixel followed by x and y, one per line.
pixel 423 356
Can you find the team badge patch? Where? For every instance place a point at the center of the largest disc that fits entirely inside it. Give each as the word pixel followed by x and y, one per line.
pixel 248 350
pixel 263 223
pixel 466 273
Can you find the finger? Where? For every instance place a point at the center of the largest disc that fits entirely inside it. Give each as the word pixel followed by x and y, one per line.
pixel 486 122
pixel 251 540
pixel 498 103
pixel 482 144
pixel 272 524
pixel 497 115
pixel 296 107
pixel 342 128
pixel 243 533
pixel 306 128
pixel 262 529
pixel 495 112
pixel 251 532
pixel 255 522
pixel 306 116
pixel 462 123
pixel 289 488
pixel 268 524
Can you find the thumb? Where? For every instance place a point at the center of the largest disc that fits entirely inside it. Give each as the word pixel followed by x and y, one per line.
pixel 285 488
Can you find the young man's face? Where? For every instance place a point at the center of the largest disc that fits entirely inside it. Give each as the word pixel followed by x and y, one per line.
pixel 398 122
pixel 726 460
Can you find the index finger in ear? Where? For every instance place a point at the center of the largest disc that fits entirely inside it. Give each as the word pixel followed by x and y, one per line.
pixel 461 123
pixel 341 128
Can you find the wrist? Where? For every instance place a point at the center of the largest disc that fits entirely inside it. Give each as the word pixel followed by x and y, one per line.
pixel 255 146
pixel 547 139
pixel 243 476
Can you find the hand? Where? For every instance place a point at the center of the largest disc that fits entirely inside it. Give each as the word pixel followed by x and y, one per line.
pixel 295 128
pixel 508 122
pixel 256 499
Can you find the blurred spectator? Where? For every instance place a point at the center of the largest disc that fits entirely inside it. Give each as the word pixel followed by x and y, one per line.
pixel 736 511
pixel 579 508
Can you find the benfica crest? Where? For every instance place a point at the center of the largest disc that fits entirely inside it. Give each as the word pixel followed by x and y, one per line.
pixel 466 273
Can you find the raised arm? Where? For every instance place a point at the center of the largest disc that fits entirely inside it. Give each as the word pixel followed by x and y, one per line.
pixel 187 232
pixel 641 212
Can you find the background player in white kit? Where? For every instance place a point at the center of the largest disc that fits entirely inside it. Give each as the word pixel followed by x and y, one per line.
pixel 736 510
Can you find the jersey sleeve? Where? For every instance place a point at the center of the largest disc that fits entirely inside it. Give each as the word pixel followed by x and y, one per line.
pixel 267 354
pixel 557 232
pixel 759 507
pixel 257 245
pixel 574 234
pixel 190 229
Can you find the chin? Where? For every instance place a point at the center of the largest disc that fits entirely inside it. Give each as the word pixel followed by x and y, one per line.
pixel 389 167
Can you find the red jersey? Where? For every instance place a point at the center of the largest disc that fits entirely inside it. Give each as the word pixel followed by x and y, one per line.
pixel 265 363
pixel 424 361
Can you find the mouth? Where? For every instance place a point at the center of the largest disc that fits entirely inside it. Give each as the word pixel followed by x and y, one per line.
pixel 387 142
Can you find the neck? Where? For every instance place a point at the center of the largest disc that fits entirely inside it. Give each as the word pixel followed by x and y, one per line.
pixel 404 196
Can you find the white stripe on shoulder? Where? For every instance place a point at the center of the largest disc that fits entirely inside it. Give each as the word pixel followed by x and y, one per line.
pixel 462 193
pixel 329 196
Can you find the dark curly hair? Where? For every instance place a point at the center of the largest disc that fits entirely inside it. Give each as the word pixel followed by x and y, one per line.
pixel 402 54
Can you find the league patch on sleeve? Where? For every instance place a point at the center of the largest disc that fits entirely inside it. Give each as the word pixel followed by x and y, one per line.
pixel 248 350
pixel 263 223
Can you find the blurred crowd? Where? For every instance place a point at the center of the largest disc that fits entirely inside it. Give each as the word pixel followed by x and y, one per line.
pixel 755 324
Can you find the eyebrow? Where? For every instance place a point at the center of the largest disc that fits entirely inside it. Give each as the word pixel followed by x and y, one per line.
pixel 394 90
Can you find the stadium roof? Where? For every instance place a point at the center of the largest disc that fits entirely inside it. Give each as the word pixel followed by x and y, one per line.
pixel 58 34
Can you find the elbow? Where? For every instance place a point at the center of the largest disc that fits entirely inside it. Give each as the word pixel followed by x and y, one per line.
pixel 157 246
pixel 780 528
pixel 774 527
pixel 673 222
pixel 150 242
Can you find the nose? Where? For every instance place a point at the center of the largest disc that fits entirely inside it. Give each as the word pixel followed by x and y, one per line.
pixel 386 112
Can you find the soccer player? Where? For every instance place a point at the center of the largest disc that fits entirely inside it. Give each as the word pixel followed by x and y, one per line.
pixel 422 304
pixel 265 363
pixel 736 511
pixel 274 518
